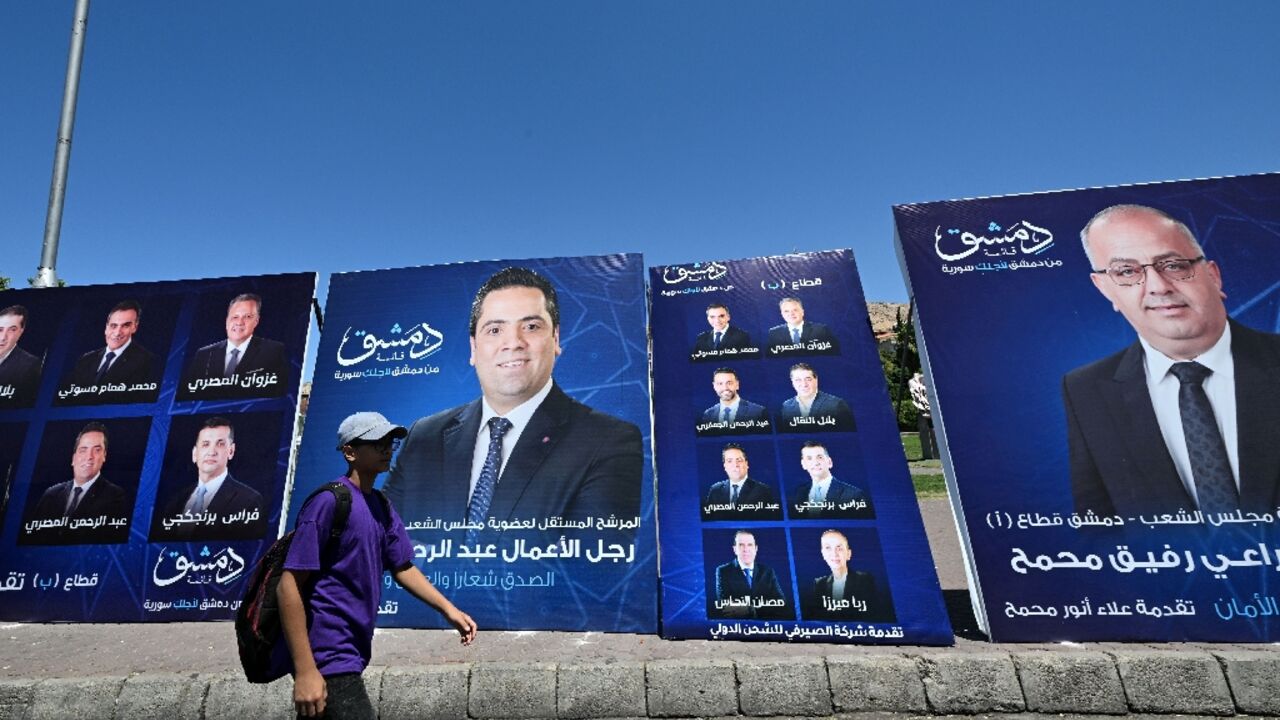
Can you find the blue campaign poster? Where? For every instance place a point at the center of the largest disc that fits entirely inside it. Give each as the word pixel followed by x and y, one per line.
pixel 145 435
pixel 787 512
pixel 563 538
pixel 1105 496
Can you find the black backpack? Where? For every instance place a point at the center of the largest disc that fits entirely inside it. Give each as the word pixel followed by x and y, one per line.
pixel 258 618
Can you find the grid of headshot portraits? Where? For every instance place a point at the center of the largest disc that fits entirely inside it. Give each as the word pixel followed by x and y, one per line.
pixel 158 412
pixel 759 448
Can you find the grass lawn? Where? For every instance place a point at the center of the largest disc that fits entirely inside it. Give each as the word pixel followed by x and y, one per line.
pixel 929 484
pixel 911 444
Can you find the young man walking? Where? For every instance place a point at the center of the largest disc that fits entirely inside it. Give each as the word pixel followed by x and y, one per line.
pixel 329 596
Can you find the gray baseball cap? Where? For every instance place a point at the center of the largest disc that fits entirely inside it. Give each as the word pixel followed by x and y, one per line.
pixel 367 425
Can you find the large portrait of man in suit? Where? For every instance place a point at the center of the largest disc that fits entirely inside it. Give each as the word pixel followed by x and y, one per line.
pixel 19 369
pixel 722 338
pixel 217 506
pixel 797 336
pixel 122 364
pixel 524 449
pixel 747 588
pixel 844 593
pixel 88 508
pixel 241 365
pixel 738 496
pixel 1184 418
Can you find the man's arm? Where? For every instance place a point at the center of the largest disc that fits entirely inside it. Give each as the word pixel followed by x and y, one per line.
pixel 411 578
pixel 309 691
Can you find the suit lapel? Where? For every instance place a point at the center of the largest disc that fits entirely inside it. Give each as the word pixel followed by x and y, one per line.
pixel 217 362
pixel 459 439
pixel 120 365
pixel 250 355
pixel 85 508
pixel 1129 404
pixel 537 441
pixel 1257 371
pixel 224 497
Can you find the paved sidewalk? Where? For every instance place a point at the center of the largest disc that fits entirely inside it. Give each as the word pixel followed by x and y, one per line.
pixel 189 670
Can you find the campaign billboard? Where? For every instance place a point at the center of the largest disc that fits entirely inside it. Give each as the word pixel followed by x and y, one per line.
pixel 145 436
pixel 786 508
pixel 1106 415
pixel 558 534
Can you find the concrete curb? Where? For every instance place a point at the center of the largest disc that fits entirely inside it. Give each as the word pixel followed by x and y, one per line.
pixel 1190 681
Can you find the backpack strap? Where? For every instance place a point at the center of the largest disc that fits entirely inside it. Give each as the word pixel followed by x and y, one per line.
pixel 341 511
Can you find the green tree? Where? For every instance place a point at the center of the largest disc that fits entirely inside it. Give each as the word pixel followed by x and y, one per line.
pixel 4 283
pixel 900 360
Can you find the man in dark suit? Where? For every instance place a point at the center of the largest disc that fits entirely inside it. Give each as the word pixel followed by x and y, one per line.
pixel 795 336
pixel 746 588
pixel 1183 419
pixel 738 496
pixel 254 366
pixel 824 496
pixel 19 369
pixel 121 362
pixel 523 450
pixel 812 410
pixel 721 336
pixel 88 508
pixel 734 414
pixel 845 594
pixel 218 507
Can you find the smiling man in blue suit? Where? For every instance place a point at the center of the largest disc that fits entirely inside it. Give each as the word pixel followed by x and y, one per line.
pixel 524 450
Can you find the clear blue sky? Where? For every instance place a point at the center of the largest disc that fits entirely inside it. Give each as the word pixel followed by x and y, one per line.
pixel 236 137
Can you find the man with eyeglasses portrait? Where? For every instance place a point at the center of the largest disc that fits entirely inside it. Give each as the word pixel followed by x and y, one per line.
pixel 1178 420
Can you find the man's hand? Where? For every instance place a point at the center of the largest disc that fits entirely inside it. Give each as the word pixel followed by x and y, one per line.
pixel 463 623
pixel 309 693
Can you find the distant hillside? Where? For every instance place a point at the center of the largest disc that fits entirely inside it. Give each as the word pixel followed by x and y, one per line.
pixel 883 315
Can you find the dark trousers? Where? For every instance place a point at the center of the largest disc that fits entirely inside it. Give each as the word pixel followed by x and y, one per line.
pixel 347 699
pixel 928 445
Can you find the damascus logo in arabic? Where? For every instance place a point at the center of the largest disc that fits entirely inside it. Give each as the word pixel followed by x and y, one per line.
pixel 208 568
pixel 1020 238
pixel 416 342
pixel 696 272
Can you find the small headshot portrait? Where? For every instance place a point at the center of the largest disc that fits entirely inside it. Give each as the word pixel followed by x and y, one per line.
pixel 733 414
pixel 19 369
pixel 810 409
pixel 722 339
pixel 212 505
pixel 12 435
pixel 797 336
pixel 523 450
pixel 843 593
pixel 1179 420
pixel 822 495
pixel 738 496
pixel 240 365
pixel 745 587
pixel 89 508
pixel 121 371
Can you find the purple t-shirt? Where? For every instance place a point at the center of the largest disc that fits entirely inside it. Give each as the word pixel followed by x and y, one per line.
pixel 342 607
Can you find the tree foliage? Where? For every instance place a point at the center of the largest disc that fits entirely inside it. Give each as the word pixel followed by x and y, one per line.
pixel 900 360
